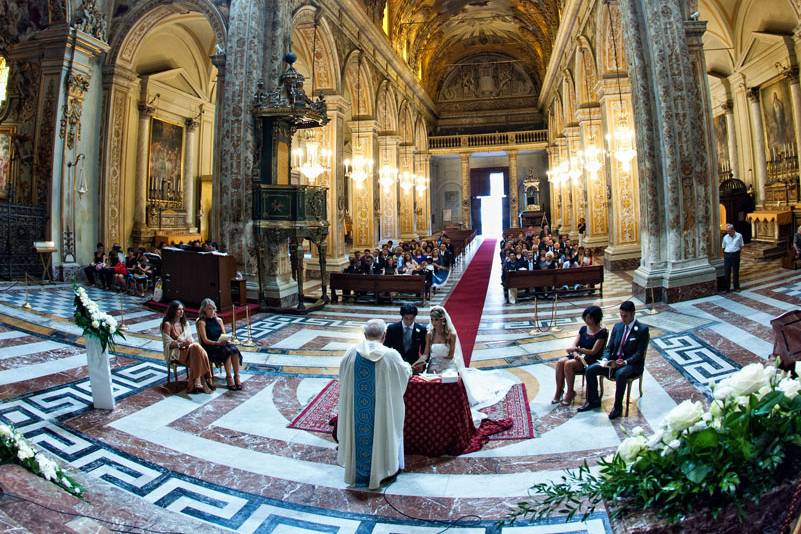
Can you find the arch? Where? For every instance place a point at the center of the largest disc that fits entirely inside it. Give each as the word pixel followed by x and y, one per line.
pixel 586 73
pixel 569 98
pixel 366 90
pixel 386 108
pixel 770 16
pixel 420 135
pixel 128 34
pixel 406 124
pixel 326 63
pixel 609 14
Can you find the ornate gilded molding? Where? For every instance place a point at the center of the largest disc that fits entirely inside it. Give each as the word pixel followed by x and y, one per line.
pixel 70 128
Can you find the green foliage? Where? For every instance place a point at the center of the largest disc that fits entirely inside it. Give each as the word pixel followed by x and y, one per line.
pixel 723 459
pixel 93 321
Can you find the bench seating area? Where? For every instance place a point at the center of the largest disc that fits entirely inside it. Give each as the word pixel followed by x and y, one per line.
pixel 460 240
pixel 556 278
pixel 377 284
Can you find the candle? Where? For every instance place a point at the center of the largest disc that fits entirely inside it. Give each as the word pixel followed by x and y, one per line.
pixel 233 322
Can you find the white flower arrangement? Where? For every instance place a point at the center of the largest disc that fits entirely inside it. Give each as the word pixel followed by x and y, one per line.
pixel 15 448
pixel 94 321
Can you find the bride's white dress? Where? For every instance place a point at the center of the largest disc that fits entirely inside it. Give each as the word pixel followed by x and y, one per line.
pixel 484 388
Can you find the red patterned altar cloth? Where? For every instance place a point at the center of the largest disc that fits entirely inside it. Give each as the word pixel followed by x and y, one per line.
pixel 438 420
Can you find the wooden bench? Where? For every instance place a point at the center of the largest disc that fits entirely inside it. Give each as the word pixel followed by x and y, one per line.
pixel 556 278
pixel 377 284
pixel 460 240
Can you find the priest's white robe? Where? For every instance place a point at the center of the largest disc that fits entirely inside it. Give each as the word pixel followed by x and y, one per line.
pixel 391 378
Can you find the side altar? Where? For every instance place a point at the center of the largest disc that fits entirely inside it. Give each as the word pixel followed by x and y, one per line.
pixel 285 215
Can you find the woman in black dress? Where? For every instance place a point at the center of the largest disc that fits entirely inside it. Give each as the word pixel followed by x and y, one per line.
pixel 586 349
pixel 209 329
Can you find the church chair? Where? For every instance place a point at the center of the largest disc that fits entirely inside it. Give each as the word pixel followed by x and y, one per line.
pixel 628 388
pixel 173 366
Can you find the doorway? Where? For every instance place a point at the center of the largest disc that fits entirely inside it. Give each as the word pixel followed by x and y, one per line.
pixel 492 207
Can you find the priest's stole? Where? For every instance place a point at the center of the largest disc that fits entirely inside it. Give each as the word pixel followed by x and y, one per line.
pixel 364 417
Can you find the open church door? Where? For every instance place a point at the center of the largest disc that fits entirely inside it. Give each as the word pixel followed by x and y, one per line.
pixel 479 187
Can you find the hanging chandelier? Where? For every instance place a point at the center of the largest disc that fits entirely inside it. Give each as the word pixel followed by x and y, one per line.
pixel 310 159
pixel 386 176
pixel 623 135
pixel 593 159
pixel 359 167
pixel 407 180
pixel 420 184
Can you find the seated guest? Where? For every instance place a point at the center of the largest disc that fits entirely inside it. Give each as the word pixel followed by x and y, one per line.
pixel 120 273
pixel 623 358
pixel 390 267
pixel 353 267
pixel 179 346
pixel 548 262
pixel 95 269
pixel 441 269
pixel 586 350
pixel 209 329
pixel 409 265
pixel 141 276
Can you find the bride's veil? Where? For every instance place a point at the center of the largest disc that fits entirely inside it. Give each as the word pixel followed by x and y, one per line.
pixel 458 356
pixel 484 388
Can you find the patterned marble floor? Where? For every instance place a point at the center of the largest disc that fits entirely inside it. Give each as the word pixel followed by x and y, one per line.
pixel 228 460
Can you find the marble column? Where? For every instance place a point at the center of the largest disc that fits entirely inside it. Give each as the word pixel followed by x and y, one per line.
pixel 553 182
pixel 731 139
pixel 365 142
pixel 795 96
pixel 576 185
pixel 406 167
pixel 514 190
pixel 758 140
pixel 466 194
pixel 564 222
pixel 142 139
pixel 673 146
pixel 388 156
pixel 189 172
pixel 596 208
pixel 623 251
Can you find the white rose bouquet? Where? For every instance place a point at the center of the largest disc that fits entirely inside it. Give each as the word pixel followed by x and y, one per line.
pixel 94 321
pixel 14 448
pixel 746 443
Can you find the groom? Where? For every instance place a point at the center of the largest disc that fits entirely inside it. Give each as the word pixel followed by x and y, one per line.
pixel 407 336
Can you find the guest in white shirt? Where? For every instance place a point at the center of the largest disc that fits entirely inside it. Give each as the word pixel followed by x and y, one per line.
pixel 732 245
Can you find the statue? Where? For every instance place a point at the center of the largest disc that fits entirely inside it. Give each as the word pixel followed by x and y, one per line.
pixel 91 20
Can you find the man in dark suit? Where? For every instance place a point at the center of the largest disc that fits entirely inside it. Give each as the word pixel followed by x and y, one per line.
pixel 623 358
pixel 407 336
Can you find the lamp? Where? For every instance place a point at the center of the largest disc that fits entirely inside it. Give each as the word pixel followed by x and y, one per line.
pixel 359 167
pixel 420 184
pixel 386 176
pixel 406 180
pixel 623 136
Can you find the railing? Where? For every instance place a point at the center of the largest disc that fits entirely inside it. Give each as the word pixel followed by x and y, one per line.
pixel 527 137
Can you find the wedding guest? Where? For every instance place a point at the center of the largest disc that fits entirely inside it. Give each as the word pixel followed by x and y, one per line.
pixel 95 269
pixel 732 245
pixel 181 347
pixel 120 273
pixel 373 379
pixel 210 329
pixel 586 349
pixel 623 358
pixel 797 243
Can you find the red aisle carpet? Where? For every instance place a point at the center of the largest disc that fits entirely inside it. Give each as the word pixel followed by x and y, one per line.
pixel 466 301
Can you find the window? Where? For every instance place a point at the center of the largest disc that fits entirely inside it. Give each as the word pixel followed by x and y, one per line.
pixel 3 79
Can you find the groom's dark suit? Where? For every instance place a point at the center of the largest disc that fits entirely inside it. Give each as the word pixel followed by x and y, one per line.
pixel 394 339
pixel 632 352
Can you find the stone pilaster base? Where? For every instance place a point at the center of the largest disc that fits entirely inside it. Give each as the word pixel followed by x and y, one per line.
pixel 677 282
pixel 598 245
pixel 141 236
pixel 279 294
pixel 622 257
pixel 67 272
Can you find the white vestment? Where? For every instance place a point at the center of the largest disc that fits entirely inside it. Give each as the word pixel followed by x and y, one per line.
pixel 391 378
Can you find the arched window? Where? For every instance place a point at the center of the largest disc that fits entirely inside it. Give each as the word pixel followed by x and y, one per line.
pixel 3 80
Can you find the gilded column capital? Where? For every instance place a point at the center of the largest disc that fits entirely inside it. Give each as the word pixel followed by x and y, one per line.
pixel 753 94
pixel 145 110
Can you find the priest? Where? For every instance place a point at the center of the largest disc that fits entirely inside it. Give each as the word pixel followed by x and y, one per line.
pixel 372 379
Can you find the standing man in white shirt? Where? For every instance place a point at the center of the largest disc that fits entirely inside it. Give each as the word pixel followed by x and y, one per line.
pixel 732 245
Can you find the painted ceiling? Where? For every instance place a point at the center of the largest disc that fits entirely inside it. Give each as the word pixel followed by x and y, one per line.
pixel 435 35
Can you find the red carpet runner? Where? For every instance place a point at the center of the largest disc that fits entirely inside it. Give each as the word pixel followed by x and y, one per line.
pixel 466 302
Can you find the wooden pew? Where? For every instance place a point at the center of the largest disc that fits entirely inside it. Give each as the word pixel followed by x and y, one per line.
pixel 377 284
pixel 460 240
pixel 556 278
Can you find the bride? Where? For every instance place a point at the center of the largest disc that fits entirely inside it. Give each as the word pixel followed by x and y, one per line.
pixel 443 352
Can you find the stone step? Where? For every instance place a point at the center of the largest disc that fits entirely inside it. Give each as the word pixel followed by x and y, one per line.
pixel 763 251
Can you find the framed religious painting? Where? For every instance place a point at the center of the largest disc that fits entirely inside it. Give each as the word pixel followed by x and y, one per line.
pixel 165 160
pixel 6 161
pixel 777 116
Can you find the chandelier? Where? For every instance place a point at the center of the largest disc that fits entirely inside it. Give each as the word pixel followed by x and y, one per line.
pixel 386 176
pixel 420 184
pixel 593 157
pixel 407 180
pixel 623 136
pixel 359 167
pixel 311 160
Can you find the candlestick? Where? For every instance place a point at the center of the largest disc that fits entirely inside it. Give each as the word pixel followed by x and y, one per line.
pixel 26 304
pixel 233 325
pixel 122 327
pixel 249 341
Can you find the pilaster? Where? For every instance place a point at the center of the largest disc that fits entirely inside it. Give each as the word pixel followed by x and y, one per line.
pixel 596 208
pixel 514 190
pixel 467 195
pixel 364 197
pixel 388 159
pixel 406 190
pixel 422 218
pixel 758 142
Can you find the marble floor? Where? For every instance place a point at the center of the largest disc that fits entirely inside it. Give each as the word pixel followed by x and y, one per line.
pixel 228 460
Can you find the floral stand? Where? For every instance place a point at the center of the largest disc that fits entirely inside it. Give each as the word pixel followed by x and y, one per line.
pixel 99 374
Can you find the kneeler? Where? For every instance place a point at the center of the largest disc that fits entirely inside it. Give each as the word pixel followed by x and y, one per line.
pixel 363 417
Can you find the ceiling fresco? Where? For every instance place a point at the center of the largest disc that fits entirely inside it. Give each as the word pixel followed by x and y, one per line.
pixel 435 36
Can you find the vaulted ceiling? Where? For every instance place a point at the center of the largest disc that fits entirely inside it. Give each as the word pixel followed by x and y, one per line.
pixel 435 35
